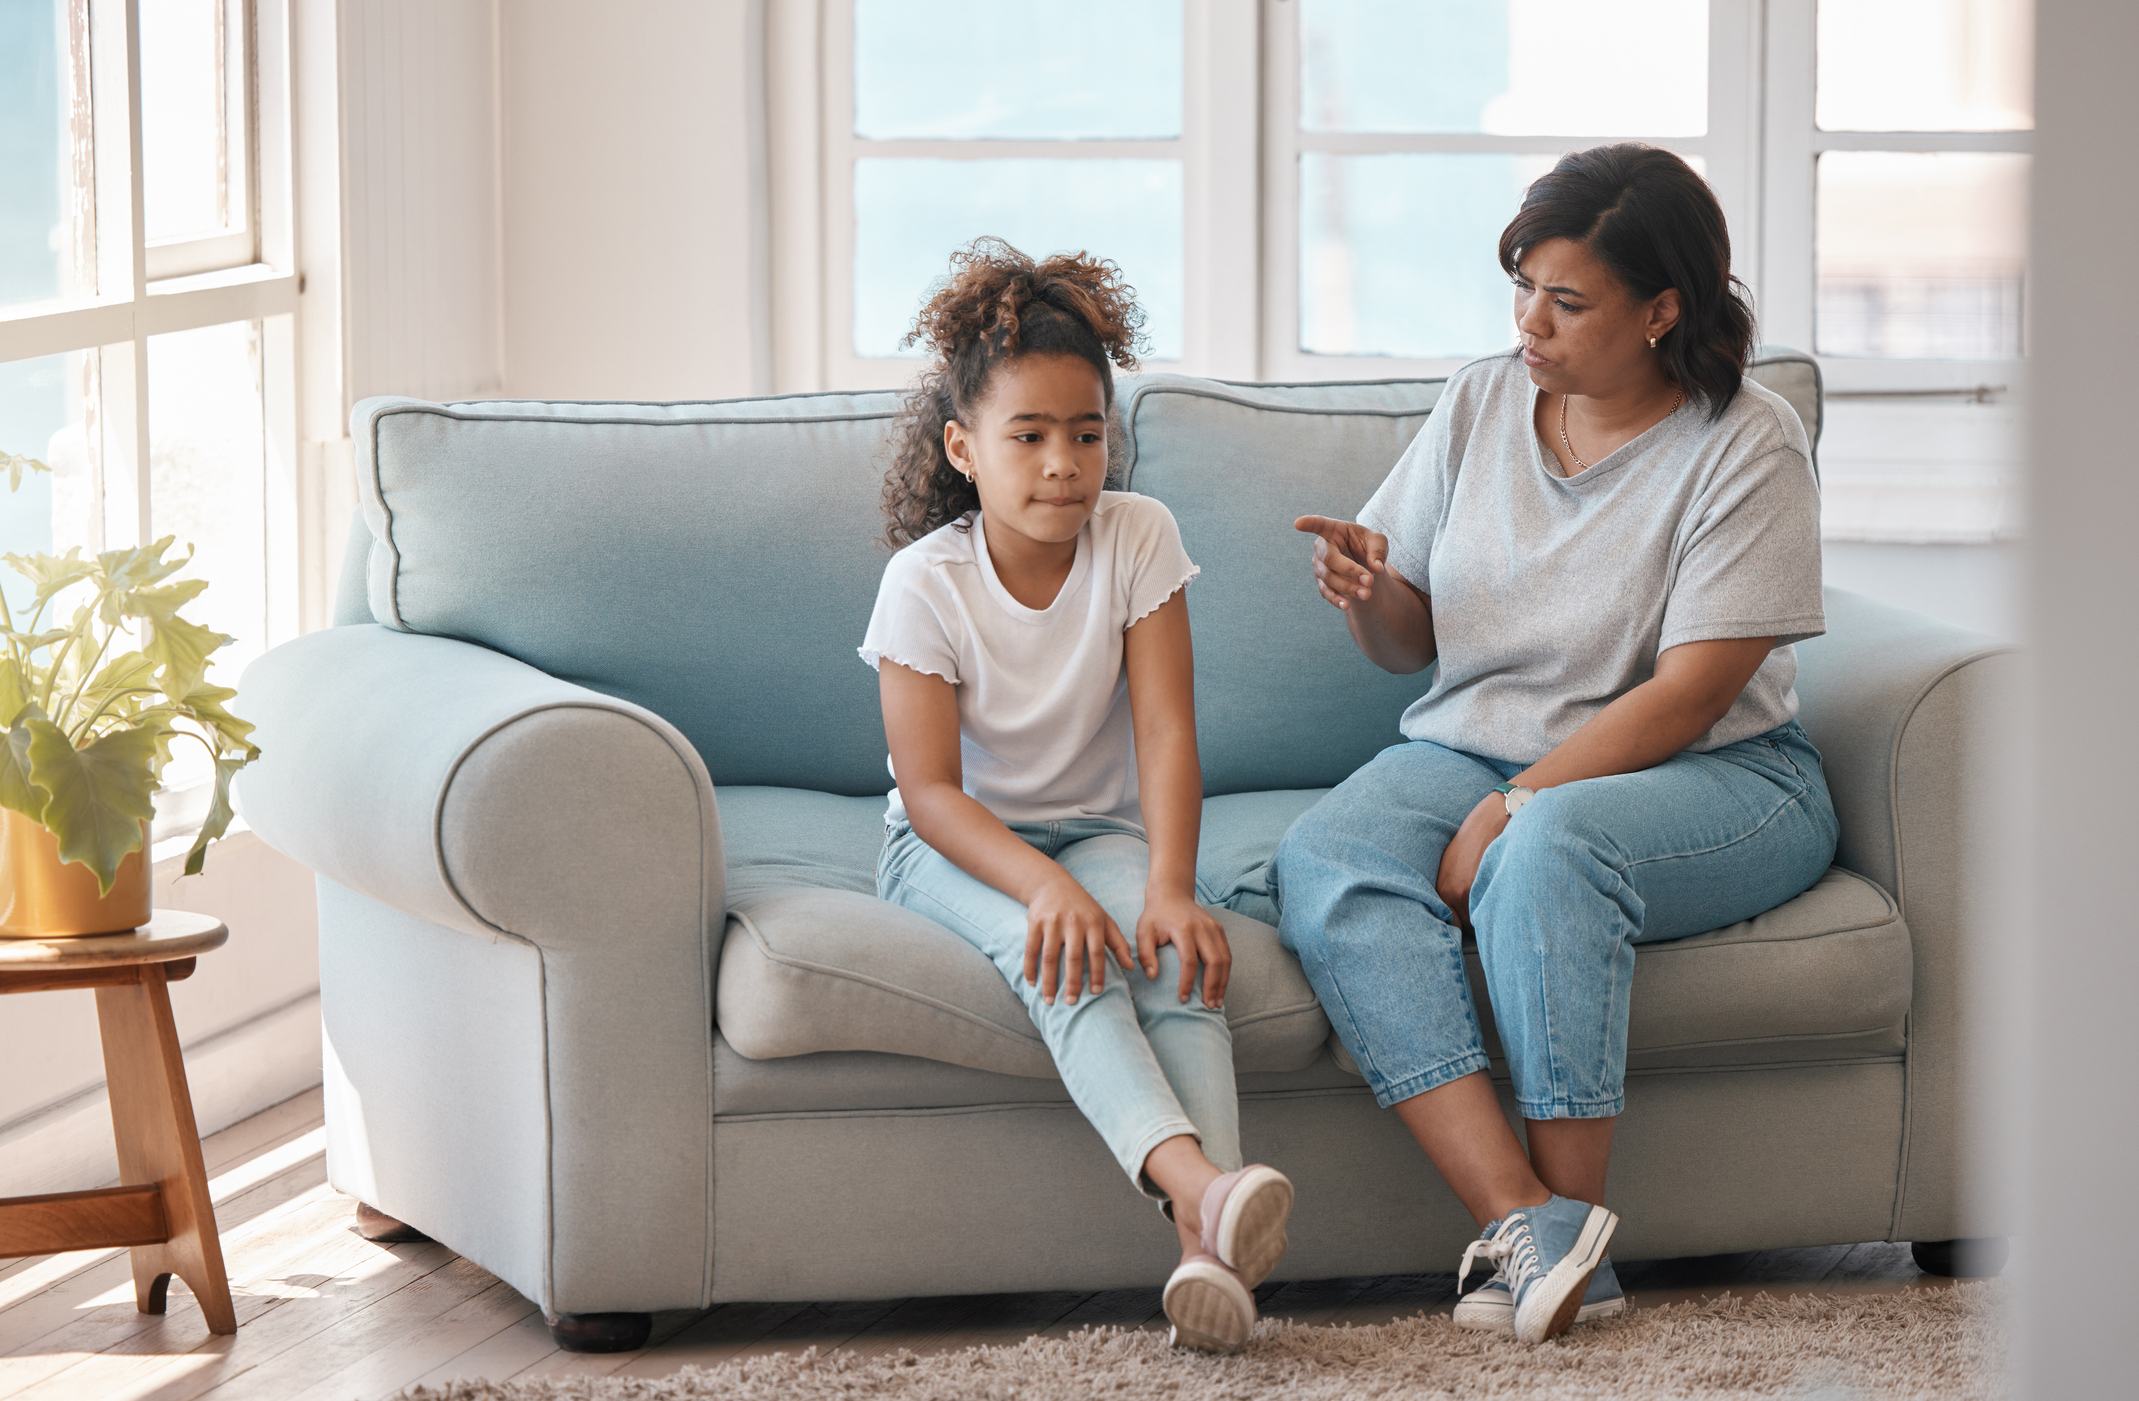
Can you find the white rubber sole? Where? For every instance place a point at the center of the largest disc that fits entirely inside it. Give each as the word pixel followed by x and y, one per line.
pixel 1498 1315
pixel 1250 1233
pixel 1550 1306
pixel 1209 1308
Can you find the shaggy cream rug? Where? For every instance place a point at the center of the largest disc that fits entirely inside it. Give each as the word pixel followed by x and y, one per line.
pixel 1943 1343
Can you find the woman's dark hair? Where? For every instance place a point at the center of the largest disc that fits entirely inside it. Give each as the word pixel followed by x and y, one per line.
pixel 997 305
pixel 1646 216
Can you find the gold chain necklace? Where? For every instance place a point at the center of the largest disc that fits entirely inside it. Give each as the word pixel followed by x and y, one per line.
pixel 1580 465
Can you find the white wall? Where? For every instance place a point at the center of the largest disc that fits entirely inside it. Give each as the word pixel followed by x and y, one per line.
pixel 633 251
pixel 419 205
pixel 2077 917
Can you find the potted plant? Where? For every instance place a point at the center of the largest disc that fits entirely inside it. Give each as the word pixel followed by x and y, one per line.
pixel 91 708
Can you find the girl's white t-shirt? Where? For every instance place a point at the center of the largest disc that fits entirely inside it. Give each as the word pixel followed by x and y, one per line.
pixel 1043 697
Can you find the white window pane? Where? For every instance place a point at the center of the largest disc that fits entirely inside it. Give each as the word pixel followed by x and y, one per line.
pixel 1398 252
pixel 42 212
pixel 1921 255
pixel 185 186
pixel 208 477
pixel 46 406
pixel 909 215
pixel 1036 70
pixel 1926 65
pixel 1508 67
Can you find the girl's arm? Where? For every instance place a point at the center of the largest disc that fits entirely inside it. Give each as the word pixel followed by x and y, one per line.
pixel 1169 783
pixel 1066 930
pixel 1695 686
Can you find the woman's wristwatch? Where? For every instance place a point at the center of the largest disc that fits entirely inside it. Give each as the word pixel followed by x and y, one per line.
pixel 1514 795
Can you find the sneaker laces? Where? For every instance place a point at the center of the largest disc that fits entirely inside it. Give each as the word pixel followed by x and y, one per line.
pixel 1509 1246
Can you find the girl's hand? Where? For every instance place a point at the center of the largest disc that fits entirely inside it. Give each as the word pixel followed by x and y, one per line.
pixel 1459 863
pixel 1067 934
pixel 1347 557
pixel 1197 934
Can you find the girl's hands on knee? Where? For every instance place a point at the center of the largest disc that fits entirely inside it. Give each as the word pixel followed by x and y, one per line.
pixel 1067 938
pixel 1198 936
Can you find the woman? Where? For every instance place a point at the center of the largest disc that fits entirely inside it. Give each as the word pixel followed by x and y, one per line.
pixel 1609 539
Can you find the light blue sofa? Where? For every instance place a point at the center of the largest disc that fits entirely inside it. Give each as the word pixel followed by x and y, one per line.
pixel 591 778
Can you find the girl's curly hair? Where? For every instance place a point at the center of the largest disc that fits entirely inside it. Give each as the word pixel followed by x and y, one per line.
pixel 996 306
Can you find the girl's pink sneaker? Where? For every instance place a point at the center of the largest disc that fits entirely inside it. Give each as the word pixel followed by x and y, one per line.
pixel 1244 1215
pixel 1208 1306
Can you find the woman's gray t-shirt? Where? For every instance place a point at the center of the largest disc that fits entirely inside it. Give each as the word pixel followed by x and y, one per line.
pixel 1552 596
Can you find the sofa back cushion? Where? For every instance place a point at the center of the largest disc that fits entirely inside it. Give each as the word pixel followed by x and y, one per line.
pixel 713 562
pixel 717 562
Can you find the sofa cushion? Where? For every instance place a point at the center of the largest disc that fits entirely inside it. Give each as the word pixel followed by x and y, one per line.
pixel 813 961
pixel 723 560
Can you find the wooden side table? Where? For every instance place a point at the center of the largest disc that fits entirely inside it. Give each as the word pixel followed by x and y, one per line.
pixel 162 1208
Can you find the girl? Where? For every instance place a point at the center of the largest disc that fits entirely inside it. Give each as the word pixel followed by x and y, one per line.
pixel 1031 643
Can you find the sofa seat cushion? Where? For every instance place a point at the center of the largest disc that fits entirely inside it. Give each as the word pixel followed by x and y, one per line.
pixel 813 961
pixel 1824 977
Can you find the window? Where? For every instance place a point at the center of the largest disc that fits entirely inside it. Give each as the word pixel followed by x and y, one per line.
pixel 146 316
pixel 1896 248
pixel 1099 136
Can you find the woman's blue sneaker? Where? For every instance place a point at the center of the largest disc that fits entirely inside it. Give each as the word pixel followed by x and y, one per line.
pixel 1548 1254
pixel 1490 1308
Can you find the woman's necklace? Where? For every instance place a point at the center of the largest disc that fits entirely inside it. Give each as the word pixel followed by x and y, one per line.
pixel 1580 465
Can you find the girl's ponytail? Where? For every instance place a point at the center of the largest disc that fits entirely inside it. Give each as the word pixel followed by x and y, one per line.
pixel 996 305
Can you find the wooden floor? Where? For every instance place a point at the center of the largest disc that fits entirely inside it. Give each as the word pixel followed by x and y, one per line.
pixel 324 1314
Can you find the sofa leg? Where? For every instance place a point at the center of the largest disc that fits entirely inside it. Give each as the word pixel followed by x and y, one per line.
pixel 601 1332
pixel 1961 1259
pixel 374 1224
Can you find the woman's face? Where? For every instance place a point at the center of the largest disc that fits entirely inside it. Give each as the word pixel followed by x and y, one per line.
pixel 1583 331
pixel 1037 448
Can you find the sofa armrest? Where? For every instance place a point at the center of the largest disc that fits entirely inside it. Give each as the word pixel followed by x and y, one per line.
pixel 531 852
pixel 1908 714
pixel 456 784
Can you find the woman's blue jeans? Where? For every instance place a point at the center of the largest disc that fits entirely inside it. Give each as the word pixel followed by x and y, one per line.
pixel 1143 1065
pixel 1580 876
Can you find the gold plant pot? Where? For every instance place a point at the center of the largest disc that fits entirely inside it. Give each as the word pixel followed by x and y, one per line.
pixel 42 898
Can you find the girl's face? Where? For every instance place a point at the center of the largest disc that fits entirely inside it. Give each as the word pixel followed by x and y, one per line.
pixel 1583 331
pixel 1037 448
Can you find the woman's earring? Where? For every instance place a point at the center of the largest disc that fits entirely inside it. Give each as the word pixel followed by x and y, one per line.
pixel 1652 342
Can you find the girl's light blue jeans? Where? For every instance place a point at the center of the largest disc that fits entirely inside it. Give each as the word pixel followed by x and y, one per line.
pixel 1581 875
pixel 1141 1064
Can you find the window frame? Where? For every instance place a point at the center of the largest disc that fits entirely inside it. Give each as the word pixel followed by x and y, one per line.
pixel 113 323
pixel 1220 215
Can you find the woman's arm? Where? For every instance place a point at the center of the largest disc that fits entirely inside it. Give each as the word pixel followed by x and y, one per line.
pixel 1392 625
pixel 1169 782
pixel 1695 686
pixel 1066 928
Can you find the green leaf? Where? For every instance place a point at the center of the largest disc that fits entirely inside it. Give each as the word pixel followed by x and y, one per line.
pixel 136 568
pixel 159 605
pixel 181 649
pixel 14 463
pixel 217 821
pixel 16 789
pixel 17 687
pixel 52 573
pixel 100 794
pixel 206 704
pixel 31 641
